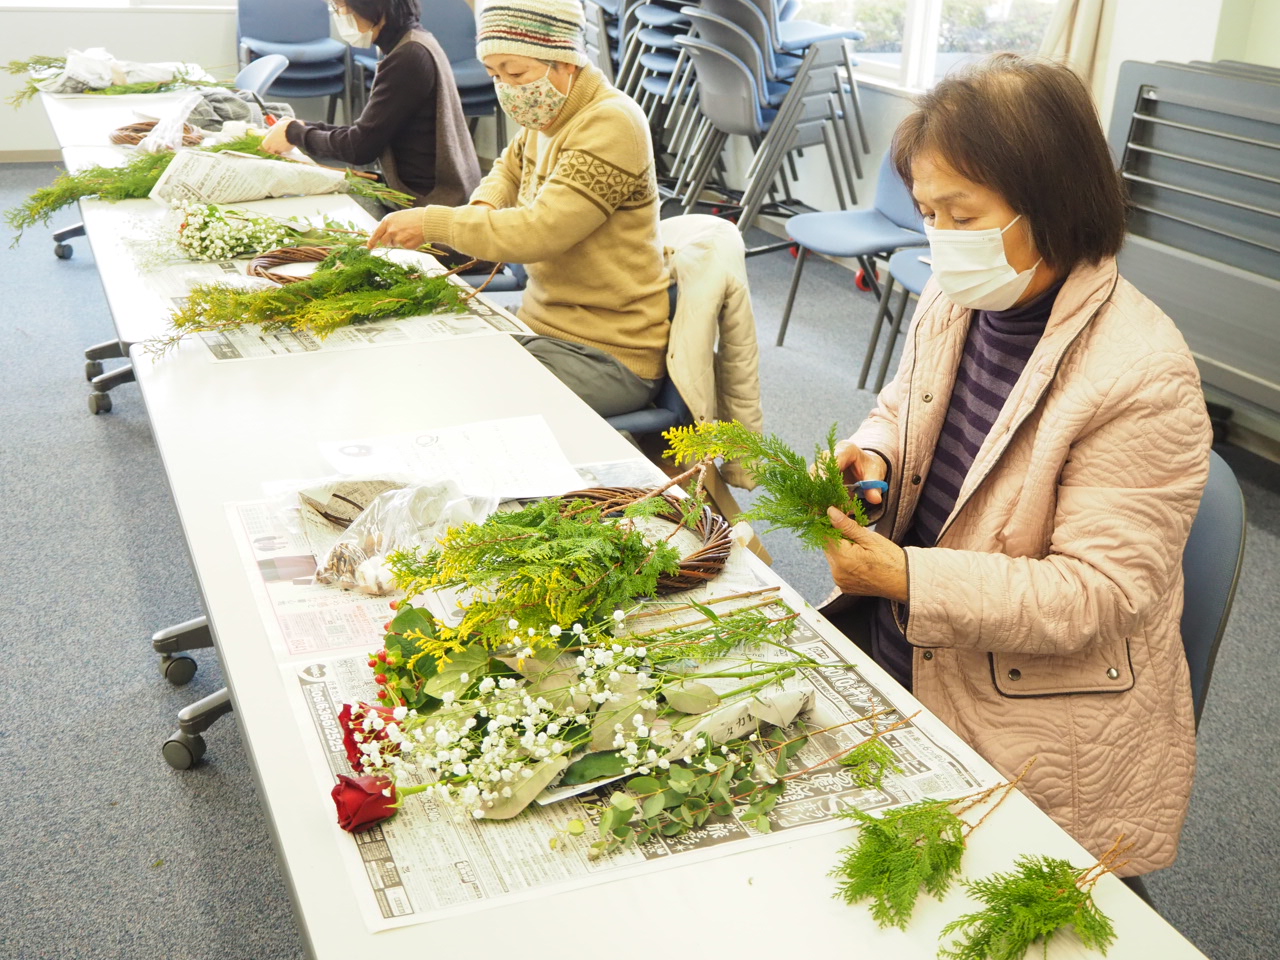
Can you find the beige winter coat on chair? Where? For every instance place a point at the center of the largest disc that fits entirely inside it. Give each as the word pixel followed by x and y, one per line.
pixel 1046 620
pixel 712 355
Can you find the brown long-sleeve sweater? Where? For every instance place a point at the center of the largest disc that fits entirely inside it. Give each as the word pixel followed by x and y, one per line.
pixel 413 124
pixel 578 204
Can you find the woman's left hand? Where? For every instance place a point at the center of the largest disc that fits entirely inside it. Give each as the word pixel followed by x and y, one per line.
pixel 865 563
pixel 400 229
pixel 276 141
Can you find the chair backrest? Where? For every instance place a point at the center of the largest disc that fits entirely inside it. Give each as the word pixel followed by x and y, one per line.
pixel 729 36
pixel 261 74
pixel 453 24
pixel 1211 568
pixel 283 21
pixel 746 15
pixel 726 89
pixel 894 200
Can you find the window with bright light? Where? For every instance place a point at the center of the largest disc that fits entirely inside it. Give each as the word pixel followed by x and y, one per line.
pixel 915 42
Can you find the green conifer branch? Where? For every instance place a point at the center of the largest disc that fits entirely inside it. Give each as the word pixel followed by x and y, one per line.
pixel 1029 905
pixel 796 495
pixel 869 763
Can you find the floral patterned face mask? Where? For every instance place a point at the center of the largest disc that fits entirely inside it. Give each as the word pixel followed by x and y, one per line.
pixel 534 105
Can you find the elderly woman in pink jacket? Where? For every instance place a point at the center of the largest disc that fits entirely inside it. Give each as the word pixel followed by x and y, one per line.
pixel 1046 443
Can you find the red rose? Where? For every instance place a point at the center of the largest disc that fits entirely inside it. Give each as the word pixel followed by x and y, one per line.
pixel 351 720
pixel 361 802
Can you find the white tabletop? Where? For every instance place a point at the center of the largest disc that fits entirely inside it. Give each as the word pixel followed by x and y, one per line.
pixel 88 120
pixel 225 428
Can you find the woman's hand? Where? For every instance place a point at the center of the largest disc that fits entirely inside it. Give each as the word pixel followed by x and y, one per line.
pixel 857 464
pixel 276 140
pixel 400 229
pixel 864 563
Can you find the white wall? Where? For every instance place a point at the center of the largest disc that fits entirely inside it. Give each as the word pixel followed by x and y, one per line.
pixel 199 34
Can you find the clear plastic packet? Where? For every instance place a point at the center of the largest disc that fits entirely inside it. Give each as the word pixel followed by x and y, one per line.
pixel 168 132
pixel 413 516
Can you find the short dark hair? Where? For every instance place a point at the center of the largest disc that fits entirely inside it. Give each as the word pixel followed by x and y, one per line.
pixel 1026 128
pixel 397 13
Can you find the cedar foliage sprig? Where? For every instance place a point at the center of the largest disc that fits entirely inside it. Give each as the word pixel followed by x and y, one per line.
pixel 869 763
pixel 796 496
pixel 352 285
pixel 916 846
pixel 138 175
pixel 552 562
pixel 1031 904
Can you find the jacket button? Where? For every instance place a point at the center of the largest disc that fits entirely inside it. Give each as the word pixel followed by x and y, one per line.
pixel 928 398
pixel 928 654
pixel 1113 673
pixel 915 481
pixel 1015 674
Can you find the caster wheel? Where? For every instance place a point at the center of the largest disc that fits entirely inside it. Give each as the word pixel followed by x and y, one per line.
pixel 860 281
pixel 183 751
pixel 794 250
pixel 99 403
pixel 92 368
pixel 715 211
pixel 63 251
pixel 178 669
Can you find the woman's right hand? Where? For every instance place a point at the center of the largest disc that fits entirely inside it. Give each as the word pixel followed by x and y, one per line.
pixel 857 464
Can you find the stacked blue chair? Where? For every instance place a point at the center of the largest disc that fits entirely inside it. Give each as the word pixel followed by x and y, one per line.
pixel 796 102
pixel 911 270
pixel 453 24
pixel 893 222
pixel 319 66
pixel 650 57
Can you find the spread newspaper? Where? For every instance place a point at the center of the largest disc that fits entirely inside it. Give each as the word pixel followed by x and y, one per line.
pixel 433 860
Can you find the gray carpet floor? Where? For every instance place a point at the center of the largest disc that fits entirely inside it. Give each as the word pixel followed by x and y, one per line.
pixel 108 853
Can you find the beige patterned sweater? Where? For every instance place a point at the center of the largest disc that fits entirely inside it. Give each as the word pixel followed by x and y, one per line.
pixel 578 203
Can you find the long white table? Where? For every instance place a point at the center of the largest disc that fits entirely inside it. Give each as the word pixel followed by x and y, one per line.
pixel 223 429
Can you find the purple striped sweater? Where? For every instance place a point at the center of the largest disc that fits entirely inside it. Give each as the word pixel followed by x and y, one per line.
pixel 995 353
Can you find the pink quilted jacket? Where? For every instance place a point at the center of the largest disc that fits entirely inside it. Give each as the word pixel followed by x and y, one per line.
pixel 1046 621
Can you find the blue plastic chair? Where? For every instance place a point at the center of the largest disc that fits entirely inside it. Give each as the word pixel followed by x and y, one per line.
pixel 1211 567
pixel 258 76
pixel 910 269
pixel 893 222
pixel 298 30
pixel 453 24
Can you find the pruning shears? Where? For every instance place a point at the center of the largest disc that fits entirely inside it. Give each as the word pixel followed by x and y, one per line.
pixel 862 486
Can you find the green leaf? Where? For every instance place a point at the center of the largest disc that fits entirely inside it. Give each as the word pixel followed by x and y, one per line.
pixel 592 767
pixel 470 663
pixel 623 801
pixel 524 790
pixel 673 828
pixel 652 806
pixel 689 696
pixel 576 828
pixel 644 785
pixel 678 774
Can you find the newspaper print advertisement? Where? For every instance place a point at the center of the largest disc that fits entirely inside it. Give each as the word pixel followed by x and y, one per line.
pixel 433 860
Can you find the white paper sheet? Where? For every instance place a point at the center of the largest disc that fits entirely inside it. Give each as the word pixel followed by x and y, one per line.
pixel 516 457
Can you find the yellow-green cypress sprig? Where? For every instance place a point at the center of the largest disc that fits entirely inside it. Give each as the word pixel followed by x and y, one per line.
pixel 796 496
pixel 1030 904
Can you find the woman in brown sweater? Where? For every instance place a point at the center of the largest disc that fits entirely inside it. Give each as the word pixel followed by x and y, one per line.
pixel 412 125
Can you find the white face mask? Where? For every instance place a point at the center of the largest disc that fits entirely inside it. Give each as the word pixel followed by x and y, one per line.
pixel 350 32
pixel 972 270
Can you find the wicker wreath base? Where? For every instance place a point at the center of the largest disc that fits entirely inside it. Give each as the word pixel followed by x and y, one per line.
pixel 265 264
pixel 697 568
pixel 131 134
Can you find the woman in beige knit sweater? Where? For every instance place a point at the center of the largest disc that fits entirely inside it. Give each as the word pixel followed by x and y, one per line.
pixel 574 196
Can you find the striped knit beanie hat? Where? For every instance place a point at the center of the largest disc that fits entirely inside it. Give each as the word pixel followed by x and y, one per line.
pixel 542 29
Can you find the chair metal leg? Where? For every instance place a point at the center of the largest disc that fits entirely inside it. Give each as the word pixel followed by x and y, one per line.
pixel 333 109
pixel 882 311
pixel 791 294
pixel 184 749
pixel 68 233
pixel 869 274
pixel 108 350
pixel 893 339
pixel 172 641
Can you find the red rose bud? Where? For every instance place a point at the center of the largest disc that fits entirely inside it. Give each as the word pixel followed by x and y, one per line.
pixel 361 802
pixel 351 719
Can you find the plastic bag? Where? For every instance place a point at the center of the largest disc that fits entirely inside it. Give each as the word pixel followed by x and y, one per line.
pixel 397 520
pixel 166 135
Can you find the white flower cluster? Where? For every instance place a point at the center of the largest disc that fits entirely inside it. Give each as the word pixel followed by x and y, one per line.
pixel 511 729
pixel 209 232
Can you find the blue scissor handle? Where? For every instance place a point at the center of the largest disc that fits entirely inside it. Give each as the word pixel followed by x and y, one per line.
pixel 862 486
